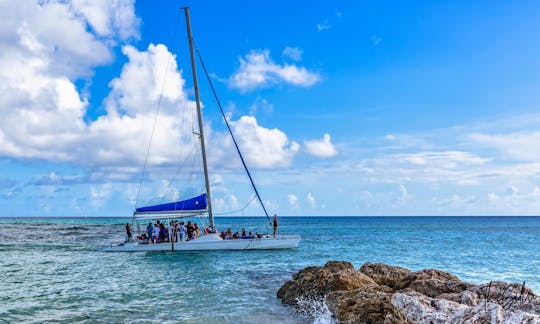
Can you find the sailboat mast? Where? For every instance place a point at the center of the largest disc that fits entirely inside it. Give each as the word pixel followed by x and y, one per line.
pixel 199 116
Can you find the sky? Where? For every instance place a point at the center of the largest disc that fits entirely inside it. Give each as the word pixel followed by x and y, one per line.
pixel 339 107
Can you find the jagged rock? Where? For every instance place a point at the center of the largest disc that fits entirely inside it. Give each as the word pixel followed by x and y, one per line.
pixel 432 283
pixel 419 308
pixel 316 282
pixel 512 296
pixel 379 293
pixel 384 274
pixel 364 306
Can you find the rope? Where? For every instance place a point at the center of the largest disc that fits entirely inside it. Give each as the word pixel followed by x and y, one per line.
pixel 230 132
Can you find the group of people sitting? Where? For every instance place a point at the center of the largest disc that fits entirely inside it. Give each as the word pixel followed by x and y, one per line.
pixel 160 232
pixel 228 235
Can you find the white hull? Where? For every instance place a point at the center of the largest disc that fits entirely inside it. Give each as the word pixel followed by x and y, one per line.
pixel 212 242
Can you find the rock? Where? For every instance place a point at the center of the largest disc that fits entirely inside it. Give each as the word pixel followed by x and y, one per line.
pixel 512 296
pixel 313 283
pixel 364 306
pixel 384 274
pixel 379 293
pixel 432 283
pixel 338 265
pixel 419 308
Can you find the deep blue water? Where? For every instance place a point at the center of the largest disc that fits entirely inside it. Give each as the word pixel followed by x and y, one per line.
pixel 54 270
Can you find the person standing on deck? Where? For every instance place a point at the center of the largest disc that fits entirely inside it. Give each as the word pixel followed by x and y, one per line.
pixel 150 232
pixel 182 231
pixel 128 233
pixel 275 225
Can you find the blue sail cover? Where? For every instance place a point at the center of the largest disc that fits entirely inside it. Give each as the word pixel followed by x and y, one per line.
pixel 196 203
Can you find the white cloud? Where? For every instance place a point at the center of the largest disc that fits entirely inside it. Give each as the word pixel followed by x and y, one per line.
pixel 258 70
pixel 49 124
pixel 294 53
pixel 518 145
pixel 292 199
pixel 43 110
pixel 262 147
pixel 45 48
pixel 311 200
pixel 442 159
pixel 322 148
pixel 109 17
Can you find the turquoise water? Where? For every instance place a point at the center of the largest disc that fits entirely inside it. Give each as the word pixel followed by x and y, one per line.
pixel 54 269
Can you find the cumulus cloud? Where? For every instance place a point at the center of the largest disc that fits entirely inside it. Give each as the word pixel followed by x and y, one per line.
pixel 50 124
pixel 261 147
pixel 109 17
pixel 292 199
pixel 322 148
pixel 258 70
pixel 46 47
pixel 42 109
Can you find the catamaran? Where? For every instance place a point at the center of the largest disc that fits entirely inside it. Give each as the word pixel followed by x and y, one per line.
pixel 201 205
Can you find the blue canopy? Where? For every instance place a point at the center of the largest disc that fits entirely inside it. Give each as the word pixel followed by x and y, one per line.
pixel 196 203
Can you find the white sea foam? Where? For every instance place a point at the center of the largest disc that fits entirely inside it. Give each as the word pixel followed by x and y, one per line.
pixel 314 308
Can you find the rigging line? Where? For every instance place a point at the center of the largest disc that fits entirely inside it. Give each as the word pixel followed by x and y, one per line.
pixel 230 132
pixel 239 210
pixel 155 121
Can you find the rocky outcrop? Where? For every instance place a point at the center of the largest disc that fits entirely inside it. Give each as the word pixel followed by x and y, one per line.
pixel 380 293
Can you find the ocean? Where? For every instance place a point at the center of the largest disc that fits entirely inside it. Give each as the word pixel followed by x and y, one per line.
pixel 54 269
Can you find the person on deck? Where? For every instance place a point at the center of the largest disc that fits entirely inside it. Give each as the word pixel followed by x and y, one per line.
pixel 275 225
pixel 190 229
pixel 197 231
pixel 162 232
pixel 181 231
pixel 128 233
pixel 155 235
pixel 150 232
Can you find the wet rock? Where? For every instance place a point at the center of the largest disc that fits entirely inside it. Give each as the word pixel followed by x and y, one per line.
pixel 314 283
pixel 380 293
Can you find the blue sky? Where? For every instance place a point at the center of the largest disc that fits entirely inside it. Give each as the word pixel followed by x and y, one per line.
pixel 340 107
